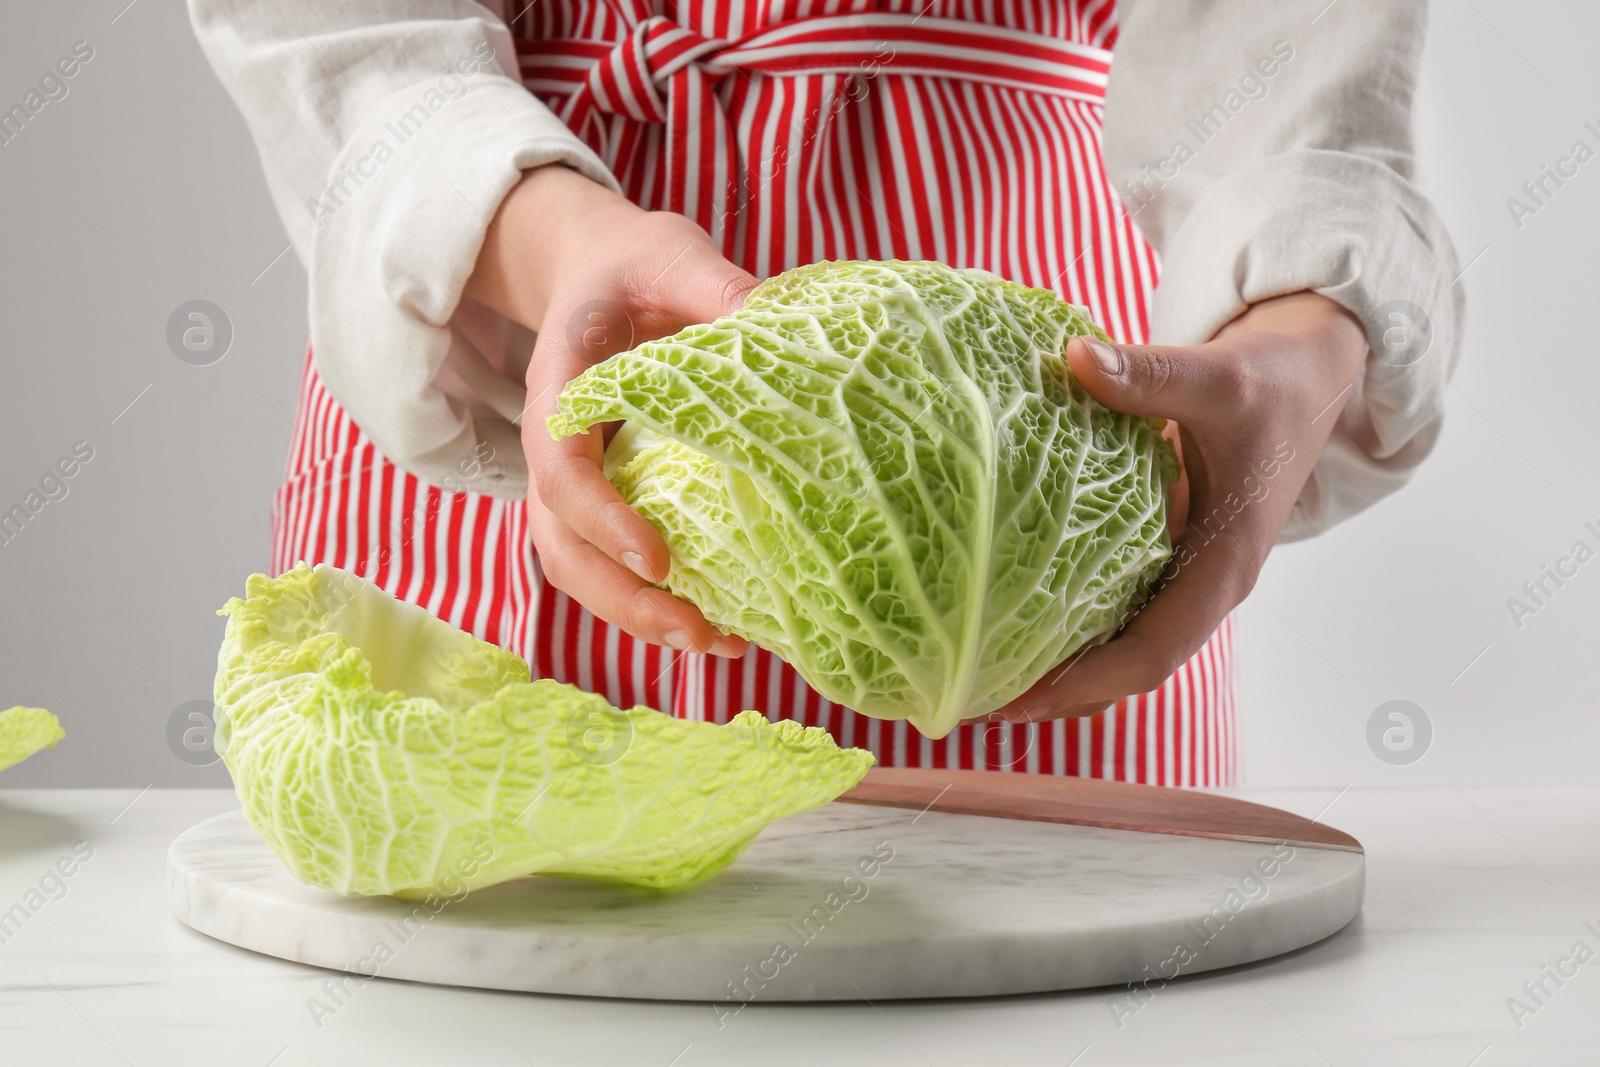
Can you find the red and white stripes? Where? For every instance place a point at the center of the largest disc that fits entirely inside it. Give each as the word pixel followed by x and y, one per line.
pixel 966 131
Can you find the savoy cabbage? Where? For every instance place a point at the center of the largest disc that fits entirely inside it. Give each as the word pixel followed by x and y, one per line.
pixel 884 473
pixel 379 750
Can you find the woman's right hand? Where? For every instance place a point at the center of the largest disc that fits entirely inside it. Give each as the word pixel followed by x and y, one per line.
pixel 595 274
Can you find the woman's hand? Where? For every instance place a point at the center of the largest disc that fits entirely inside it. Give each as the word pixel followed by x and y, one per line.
pixel 594 275
pixel 1254 407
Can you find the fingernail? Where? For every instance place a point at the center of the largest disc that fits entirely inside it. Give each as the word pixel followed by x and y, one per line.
pixel 1106 357
pixel 678 639
pixel 729 647
pixel 635 563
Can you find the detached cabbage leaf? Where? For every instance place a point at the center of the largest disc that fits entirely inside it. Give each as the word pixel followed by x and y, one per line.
pixel 885 474
pixel 379 750
pixel 25 732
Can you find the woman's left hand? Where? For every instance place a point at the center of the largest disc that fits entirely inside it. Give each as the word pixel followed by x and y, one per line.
pixel 1254 407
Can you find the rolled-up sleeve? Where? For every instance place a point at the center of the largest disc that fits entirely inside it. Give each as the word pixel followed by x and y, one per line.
pixel 390 131
pixel 1266 148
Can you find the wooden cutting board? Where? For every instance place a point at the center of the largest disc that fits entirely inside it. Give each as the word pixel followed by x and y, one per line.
pixel 918 883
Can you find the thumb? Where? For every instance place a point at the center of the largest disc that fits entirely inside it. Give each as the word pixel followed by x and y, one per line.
pixel 703 286
pixel 1185 384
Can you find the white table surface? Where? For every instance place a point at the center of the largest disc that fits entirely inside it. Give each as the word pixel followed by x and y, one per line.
pixel 1470 894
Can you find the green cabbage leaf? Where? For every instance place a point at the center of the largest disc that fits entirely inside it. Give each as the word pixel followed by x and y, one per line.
pixel 25 732
pixel 379 750
pixel 885 474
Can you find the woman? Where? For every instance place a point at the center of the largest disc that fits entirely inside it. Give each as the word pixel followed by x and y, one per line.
pixel 487 202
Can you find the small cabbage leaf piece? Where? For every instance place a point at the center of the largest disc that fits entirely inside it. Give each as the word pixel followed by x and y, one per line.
pixel 885 474
pixel 379 750
pixel 25 732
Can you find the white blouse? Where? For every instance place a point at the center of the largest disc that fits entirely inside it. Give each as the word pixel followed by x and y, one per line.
pixel 391 130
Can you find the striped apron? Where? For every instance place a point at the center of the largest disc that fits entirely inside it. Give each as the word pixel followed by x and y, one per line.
pixel 965 131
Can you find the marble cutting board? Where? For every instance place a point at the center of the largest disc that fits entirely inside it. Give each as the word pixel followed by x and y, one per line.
pixel 855 900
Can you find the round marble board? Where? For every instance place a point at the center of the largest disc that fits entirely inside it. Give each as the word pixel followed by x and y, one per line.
pixel 847 902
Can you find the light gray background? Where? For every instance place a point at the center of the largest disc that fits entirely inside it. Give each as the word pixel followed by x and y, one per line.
pixel 140 191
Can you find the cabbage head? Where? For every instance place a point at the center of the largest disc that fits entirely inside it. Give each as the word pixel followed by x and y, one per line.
pixel 379 750
pixel 25 732
pixel 885 474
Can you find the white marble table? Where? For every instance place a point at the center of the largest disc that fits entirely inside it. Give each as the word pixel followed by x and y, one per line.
pixel 1470 895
